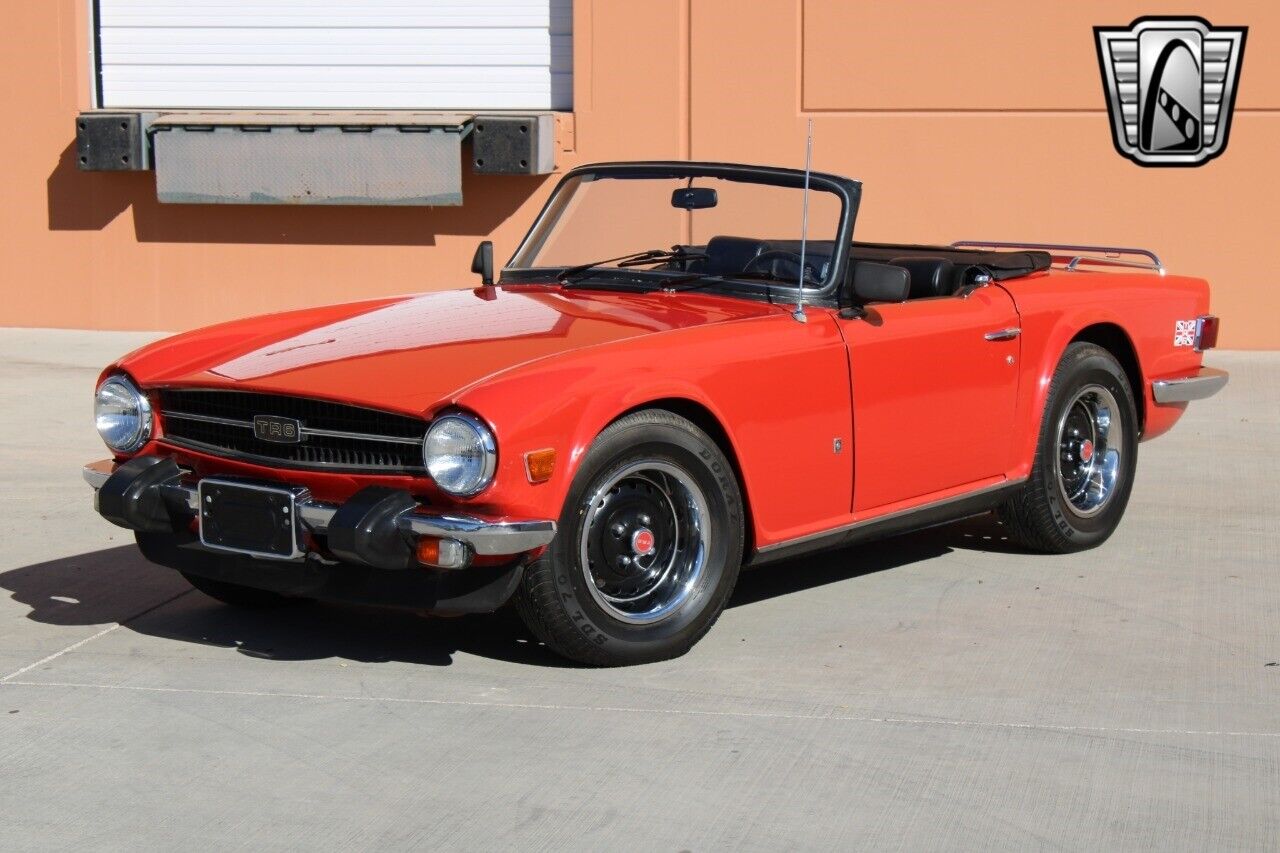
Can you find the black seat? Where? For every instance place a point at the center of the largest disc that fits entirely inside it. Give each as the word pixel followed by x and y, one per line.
pixel 817 258
pixel 730 255
pixel 929 276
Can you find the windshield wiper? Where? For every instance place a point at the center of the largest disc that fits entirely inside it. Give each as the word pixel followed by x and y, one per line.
pixel 705 280
pixel 634 259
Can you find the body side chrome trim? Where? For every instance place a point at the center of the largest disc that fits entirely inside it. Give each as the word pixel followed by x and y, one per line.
pixel 889 519
pixel 1207 382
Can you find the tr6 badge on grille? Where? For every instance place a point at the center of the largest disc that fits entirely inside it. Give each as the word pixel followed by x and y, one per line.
pixel 1170 86
pixel 279 430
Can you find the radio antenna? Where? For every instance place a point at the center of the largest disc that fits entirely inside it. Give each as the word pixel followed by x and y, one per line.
pixel 798 314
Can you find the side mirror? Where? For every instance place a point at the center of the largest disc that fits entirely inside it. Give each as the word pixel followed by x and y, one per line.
pixel 874 282
pixel 482 263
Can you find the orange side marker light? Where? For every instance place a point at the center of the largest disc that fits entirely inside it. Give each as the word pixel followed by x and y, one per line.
pixel 539 465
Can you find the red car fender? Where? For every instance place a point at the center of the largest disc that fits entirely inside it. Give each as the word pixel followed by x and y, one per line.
pixel 1045 338
pixel 1057 308
pixel 766 381
pixel 568 424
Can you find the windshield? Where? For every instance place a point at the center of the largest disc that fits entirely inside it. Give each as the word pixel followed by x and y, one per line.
pixel 684 227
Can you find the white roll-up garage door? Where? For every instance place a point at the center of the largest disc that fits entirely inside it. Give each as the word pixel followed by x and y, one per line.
pixel 335 54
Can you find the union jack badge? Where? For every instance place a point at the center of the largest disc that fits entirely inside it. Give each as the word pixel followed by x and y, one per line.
pixel 1171 86
pixel 1184 333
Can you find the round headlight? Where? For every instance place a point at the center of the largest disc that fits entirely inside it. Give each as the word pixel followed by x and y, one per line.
pixel 122 414
pixel 460 454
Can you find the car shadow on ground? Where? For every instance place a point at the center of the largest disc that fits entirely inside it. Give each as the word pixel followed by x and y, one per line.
pixel 117 585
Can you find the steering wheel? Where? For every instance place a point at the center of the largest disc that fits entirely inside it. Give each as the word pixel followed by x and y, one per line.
pixel 769 262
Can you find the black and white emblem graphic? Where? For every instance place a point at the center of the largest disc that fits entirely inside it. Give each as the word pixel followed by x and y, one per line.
pixel 276 429
pixel 1170 85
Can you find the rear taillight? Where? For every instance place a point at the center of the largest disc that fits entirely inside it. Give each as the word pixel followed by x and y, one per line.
pixel 1206 332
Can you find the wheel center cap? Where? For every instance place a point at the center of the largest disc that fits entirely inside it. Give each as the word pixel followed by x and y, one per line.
pixel 1086 450
pixel 642 542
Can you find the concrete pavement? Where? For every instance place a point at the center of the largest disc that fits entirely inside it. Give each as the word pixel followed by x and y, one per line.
pixel 938 690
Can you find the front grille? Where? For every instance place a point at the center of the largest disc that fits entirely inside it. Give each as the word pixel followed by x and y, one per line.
pixel 335 436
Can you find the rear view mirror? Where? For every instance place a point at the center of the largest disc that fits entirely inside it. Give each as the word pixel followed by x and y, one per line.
pixel 874 282
pixel 482 263
pixel 694 198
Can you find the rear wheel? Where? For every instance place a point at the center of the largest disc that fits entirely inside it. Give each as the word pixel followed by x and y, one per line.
pixel 648 547
pixel 1085 458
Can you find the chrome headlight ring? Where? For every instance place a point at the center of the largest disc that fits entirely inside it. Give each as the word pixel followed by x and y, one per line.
pixel 122 414
pixel 460 454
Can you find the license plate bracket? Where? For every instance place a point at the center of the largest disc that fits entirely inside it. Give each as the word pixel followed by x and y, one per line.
pixel 246 518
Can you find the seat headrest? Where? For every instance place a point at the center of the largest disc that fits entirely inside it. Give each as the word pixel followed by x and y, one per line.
pixel 929 276
pixel 727 255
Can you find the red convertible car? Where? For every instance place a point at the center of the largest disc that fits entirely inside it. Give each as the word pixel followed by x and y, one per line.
pixel 685 368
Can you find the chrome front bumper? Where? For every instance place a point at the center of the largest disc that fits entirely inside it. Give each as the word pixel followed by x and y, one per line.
pixel 484 536
pixel 1205 383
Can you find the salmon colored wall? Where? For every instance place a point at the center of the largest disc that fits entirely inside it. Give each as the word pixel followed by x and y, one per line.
pixel 96 250
pixel 962 120
pixel 986 121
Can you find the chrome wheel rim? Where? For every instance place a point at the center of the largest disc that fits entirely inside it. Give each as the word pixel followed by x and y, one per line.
pixel 1090 446
pixel 644 542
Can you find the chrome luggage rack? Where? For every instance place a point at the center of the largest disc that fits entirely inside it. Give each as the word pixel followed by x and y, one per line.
pixel 1076 256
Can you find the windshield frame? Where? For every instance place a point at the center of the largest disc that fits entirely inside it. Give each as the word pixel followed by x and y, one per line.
pixel 847 190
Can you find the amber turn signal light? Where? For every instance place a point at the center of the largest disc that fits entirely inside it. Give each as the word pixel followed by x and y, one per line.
pixel 540 464
pixel 442 553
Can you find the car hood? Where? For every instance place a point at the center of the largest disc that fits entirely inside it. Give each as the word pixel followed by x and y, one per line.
pixel 412 353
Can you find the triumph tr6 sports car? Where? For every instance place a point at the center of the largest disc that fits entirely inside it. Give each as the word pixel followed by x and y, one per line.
pixel 684 369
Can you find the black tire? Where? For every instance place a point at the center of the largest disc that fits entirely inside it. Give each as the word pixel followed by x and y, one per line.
pixel 1045 515
pixel 554 599
pixel 244 597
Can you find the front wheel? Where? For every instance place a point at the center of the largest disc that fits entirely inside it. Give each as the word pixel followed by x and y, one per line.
pixel 648 548
pixel 1085 460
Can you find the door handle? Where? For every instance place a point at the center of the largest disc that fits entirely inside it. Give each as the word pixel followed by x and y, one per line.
pixel 1003 334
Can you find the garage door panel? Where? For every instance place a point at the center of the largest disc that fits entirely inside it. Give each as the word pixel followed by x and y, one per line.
pixel 237 45
pixel 167 46
pixel 398 94
pixel 326 54
pixel 322 13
